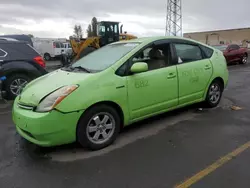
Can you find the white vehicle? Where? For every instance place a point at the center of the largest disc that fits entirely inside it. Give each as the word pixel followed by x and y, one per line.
pixel 67 45
pixel 49 48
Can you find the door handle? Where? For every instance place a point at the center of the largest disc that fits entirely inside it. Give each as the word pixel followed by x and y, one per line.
pixel 171 75
pixel 207 67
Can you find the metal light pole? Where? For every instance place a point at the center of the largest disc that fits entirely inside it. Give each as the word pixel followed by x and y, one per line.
pixel 174 18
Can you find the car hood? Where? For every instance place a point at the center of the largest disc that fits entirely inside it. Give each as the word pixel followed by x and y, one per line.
pixel 42 86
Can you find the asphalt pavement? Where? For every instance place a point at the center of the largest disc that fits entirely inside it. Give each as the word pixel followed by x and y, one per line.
pixel 184 148
pixel 52 65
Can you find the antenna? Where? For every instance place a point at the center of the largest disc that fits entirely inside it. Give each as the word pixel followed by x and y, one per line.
pixel 174 18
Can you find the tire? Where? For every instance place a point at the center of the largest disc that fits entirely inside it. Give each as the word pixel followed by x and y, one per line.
pixel 18 80
pixel 85 135
pixel 65 60
pixel 243 60
pixel 86 51
pixel 47 57
pixel 215 90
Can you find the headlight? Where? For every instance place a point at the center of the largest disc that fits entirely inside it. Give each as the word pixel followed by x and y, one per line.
pixel 53 99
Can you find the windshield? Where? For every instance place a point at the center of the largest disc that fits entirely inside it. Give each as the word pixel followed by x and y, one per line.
pixel 222 47
pixel 100 29
pixel 104 57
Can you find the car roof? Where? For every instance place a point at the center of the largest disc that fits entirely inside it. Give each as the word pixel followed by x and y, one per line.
pixel 7 39
pixel 12 41
pixel 144 39
pixel 20 37
pixel 221 45
pixel 155 38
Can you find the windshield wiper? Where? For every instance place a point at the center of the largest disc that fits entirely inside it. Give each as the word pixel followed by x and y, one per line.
pixel 80 68
pixel 71 68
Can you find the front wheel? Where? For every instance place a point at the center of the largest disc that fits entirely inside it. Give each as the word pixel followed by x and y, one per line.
pixel 15 83
pixel 98 127
pixel 214 94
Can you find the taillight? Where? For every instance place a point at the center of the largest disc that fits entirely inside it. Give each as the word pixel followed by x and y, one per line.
pixel 39 60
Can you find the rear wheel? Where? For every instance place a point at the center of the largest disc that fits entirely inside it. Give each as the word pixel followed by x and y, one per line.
pixel 98 127
pixel 47 57
pixel 14 85
pixel 244 59
pixel 214 94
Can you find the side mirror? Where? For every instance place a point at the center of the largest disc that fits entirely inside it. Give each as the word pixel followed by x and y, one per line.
pixel 139 67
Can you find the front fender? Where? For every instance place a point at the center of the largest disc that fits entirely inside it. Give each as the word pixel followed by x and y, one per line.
pixel 100 90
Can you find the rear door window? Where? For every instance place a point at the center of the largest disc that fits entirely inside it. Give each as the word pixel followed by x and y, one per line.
pixel 188 53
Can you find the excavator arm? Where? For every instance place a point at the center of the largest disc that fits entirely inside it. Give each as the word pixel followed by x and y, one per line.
pixel 105 34
pixel 79 47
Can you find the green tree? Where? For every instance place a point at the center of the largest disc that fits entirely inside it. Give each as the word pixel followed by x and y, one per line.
pixel 89 31
pixel 78 31
pixel 92 28
pixel 31 36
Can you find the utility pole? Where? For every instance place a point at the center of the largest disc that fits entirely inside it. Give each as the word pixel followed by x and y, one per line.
pixel 174 18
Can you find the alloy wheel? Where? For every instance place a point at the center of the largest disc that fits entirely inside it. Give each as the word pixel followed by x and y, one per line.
pixel 214 93
pixel 244 60
pixel 100 128
pixel 17 85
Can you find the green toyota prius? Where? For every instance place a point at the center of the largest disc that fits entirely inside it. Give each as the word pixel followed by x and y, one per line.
pixel 91 100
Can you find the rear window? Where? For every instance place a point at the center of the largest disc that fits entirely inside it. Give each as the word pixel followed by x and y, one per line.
pixel 19 51
pixel 220 47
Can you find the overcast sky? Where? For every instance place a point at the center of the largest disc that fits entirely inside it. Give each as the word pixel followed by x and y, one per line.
pixel 56 18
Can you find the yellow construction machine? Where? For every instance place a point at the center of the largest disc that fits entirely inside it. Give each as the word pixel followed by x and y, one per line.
pixel 107 32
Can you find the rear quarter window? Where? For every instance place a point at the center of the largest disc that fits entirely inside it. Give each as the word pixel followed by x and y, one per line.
pixel 2 53
pixel 20 51
pixel 208 52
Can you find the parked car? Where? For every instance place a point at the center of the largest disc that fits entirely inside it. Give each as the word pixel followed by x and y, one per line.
pixel 117 85
pixel 234 53
pixel 49 48
pixel 20 64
